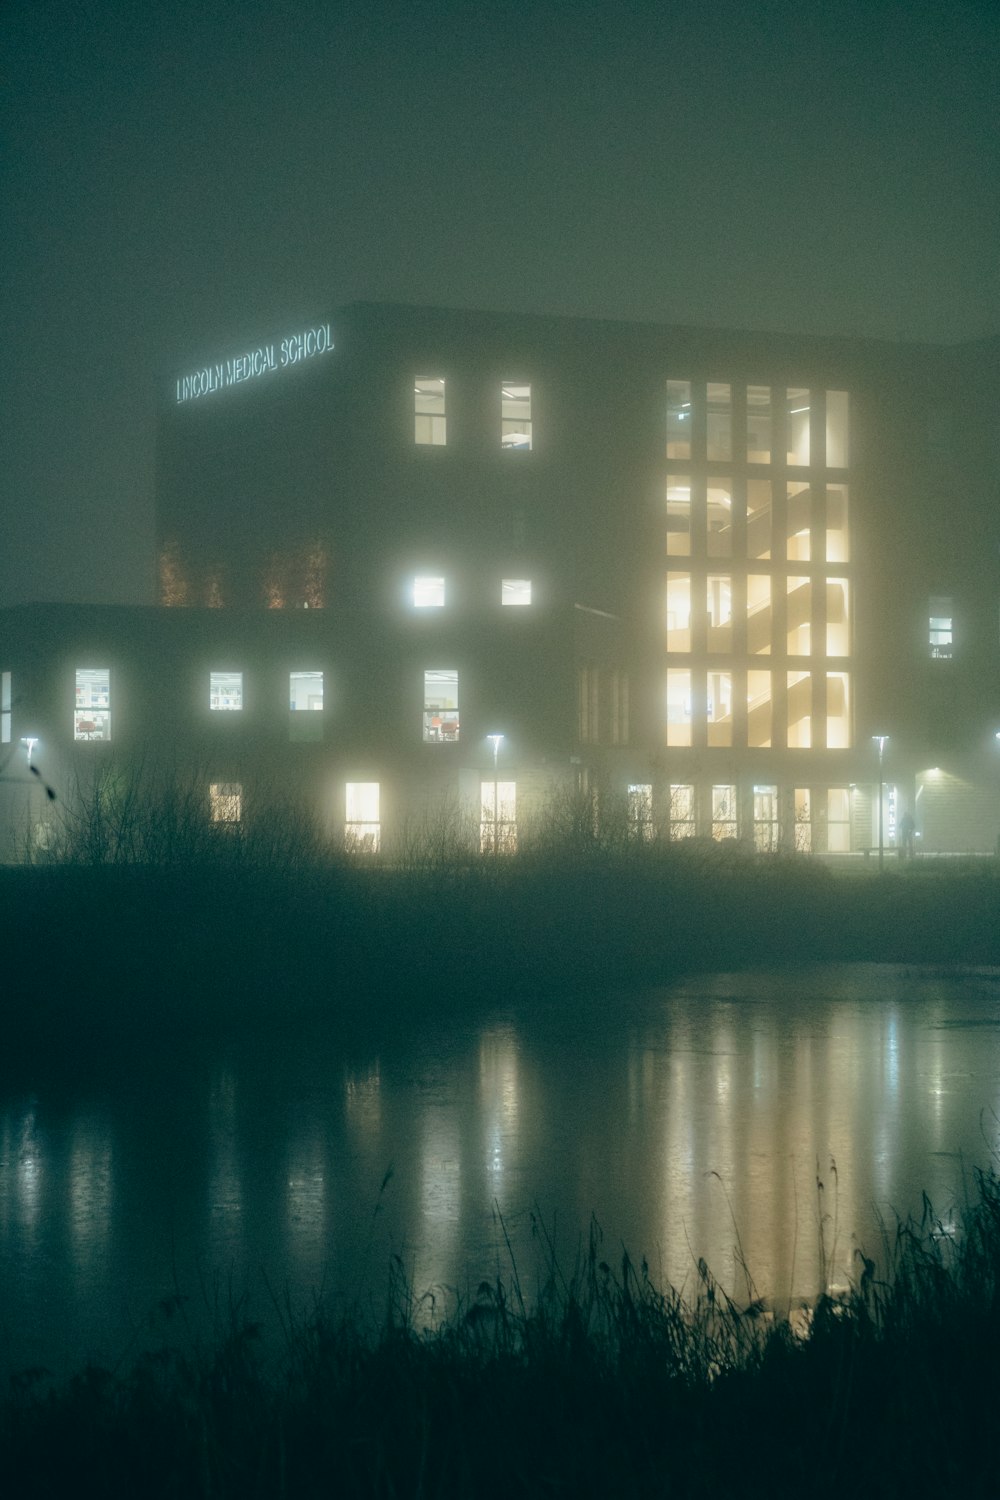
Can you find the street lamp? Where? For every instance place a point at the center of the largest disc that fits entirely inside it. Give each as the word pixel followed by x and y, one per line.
pixel 496 740
pixel 881 740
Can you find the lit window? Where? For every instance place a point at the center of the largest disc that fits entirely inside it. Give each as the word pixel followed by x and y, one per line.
pixel 759 710
pixel 798 689
pixel 362 826
pixel 838 711
pixel 798 618
pixel 678 611
pixel 678 516
pixel 515 591
pixel 682 818
pixel 765 818
pixel 428 593
pixel 678 419
pixel 498 817
pixel 225 690
pixel 225 801
pixel 719 421
pixel 640 812
pixel 838 633
pixel 429 413
pixel 758 614
pixel 719 515
pixel 836 523
pixel 838 820
pixel 941 634
pixel 720 708
pixel 440 706
pixel 797 426
pixel 305 702
pixel 836 430
pixel 758 424
pixel 5 717
pixel 759 518
pixel 803 820
pixel 719 599
pixel 723 812
pixel 515 417
pixel 798 521
pixel 92 715
pixel 678 706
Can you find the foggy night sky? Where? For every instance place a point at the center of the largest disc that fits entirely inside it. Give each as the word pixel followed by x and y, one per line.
pixel 178 180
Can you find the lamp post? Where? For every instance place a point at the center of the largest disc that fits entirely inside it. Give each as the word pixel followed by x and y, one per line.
pixel 880 740
pixel 496 740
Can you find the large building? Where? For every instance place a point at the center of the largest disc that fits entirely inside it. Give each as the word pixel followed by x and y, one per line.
pixel 417 564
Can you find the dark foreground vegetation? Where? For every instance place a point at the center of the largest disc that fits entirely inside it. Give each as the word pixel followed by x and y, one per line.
pixel 598 1384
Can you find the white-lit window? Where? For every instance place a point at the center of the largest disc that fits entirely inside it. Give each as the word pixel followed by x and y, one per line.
pixel 723 812
pixel 92 715
pixel 498 817
pixel 678 419
pixel 5 715
pixel 515 416
pixel 640 812
pixel 225 690
pixel 362 826
pixel 941 634
pixel 838 820
pixel 428 593
pixel 305 702
pixel 682 812
pixel 429 411
pixel 515 591
pixel 440 706
pixel 765 818
pixel 225 801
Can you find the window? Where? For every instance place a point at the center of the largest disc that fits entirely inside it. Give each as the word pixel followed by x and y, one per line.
pixel 678 516
pixel 678 419
pixel 802 812
pixel 758 614
pixel 5 717
pixel 759 518
pixel 838 820
pixel 723 812
pixel 429 413
pixel 836 430
pixel 720 708
pixel 798 688
pixel 428 593
pixel 515 417
pixel 362 828
pixel 838 711
pixel 440 706
pixel 640 813
pixel 798 619
pixel 678 611
pixel 719 421
pixel 797 426
pixel 758 424
pixel 719 599
pixel 225 800
pixel 620 725
pixel 515 591
pixel 305 701
pixel 836 523
pixel 678 706
pixel 682 818
pixel 225 690
pixel 940 627
pixel 765 818
pixel 92 715
pixel 720 518
pixel 759 710
pixel 498 817
pixel 838 632
pixel 798 521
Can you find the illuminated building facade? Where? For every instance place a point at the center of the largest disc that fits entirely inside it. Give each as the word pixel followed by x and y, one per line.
pixel 688 573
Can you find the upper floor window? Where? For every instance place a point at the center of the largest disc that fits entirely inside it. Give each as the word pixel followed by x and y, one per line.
pixel 678 419
pixel 719 421
pixel 515 591
pixel 5 709
pixel 428 593
pixel 225 690
pixel 758 424
pixel 941 636
pixel 797 426
pixel 429 420
pixel 440 705
pixel 515 416
pixel 305 701
pixel 836 430
pixel 92 714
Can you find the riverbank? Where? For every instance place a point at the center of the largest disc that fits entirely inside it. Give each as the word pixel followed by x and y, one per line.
pixel 136 948
pixel 601 1383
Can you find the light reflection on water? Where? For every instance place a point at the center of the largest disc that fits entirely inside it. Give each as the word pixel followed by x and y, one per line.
pixel 762 1122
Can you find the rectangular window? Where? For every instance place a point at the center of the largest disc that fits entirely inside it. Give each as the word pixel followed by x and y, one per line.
pixel 797 426
pixel 758 424
pixel 428 593
pixel 678 516
pixel 759 710
pixel 640 813
pixel 619 708
pixel 362 826
pixel 759 518
pixel 836 430
pixel 719 421
pixel 765 818
pixel 515 591
pixel 798 618
pixel 941 635
pixel 225 800
pixel 678 706
pixel 682 818
pixel 836 523
pixel 719 601
pixel 678 611
pixel 678 419
pixel 5 715
pixel 92 715
pixel 802 813
pixel 498 817
pixel 759 614
pixel 723 812
pixel 440 706
pixel 305 701
pixel 838 711
pixel 719 514
pixel 588 704
pixel 798 521
pixel 515 417
pixel 225 690
pixel 720 709
pixel 838 820
pixel 838 632
pixel 429 413
pixel 798 690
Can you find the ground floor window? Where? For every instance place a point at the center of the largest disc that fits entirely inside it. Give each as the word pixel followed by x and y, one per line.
pixel 92 714
pixel 362 826
pixel 498 817
pixel 440 705
pixel 640 813
pixel 802 814
pixel 724 824
pixel 765 818
pixel 682 816
pixel 838 820
pixel 225 690
pixel 225 801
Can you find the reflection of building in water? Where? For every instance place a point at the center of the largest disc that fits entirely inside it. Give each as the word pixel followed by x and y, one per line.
pixel 91 1195
pixel 498 1103
pixel 698 568
pixel 440 1193
pixel 225 1181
